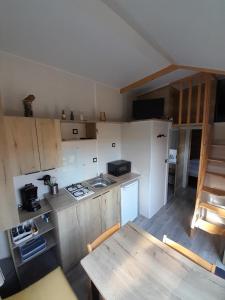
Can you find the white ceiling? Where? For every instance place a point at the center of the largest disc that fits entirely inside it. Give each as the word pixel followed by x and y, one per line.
pixel 190 32
pixel 81 36
pixel 116 42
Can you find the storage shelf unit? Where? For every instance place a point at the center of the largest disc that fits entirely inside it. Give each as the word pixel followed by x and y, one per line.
pixel 50 240
pixel 73 130
pixel 43 227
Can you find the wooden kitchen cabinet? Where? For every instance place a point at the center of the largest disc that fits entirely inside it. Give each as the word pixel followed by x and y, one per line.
pixel 49 143
pixel 82 223
pixel 110 208
pixel 34 144
pixel 68 235
pixel 89 220
pixel 9 216
pixel 23 146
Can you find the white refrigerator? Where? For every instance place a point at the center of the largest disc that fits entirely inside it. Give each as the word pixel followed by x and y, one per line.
pixel 146 145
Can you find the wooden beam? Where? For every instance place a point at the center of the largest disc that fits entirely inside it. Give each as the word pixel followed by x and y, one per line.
pixel 143 81
pixel 195 78
pixel 201 69
pixel 180 103
pixel 189 101
pixel 198 102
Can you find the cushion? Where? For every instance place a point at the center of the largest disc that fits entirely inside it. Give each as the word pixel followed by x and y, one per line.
pixel 53 286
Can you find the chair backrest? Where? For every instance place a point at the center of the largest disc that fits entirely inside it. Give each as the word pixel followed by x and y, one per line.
pixel 189 254
pixel 105 235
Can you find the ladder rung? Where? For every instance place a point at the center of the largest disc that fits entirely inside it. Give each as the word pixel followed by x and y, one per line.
pixel 209 227
pixel 216 160
pixel 213 191
pixel 215 174
pixel 217 145
pixel 218 210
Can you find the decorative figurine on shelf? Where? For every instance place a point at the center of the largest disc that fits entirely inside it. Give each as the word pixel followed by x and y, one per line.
pixel 63 116
pixel 71 116
pixel 27 102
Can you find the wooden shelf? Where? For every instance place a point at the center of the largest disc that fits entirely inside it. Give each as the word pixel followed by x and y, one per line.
pixel 27 215
pixel 209 227
pixel 50 239
pixel 77 122
pixel 218 210
pixel 187 125
pixel 216 174
pixel 77 140
pixel 43 227
pixel 213 191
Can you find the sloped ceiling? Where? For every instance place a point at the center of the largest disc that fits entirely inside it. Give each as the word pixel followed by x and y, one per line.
pixel 85 37
pixel 190 32
pixel 115 41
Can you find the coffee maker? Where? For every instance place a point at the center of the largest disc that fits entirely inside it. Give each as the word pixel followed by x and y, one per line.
pixel 29 197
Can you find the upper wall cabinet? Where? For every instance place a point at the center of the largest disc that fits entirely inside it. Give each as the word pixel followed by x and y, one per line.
pixel 34 144
pixel 23 146
pixel 49 143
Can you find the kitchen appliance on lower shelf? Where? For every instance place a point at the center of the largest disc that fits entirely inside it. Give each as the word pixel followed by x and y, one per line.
pixel 119 167
pixel 32 247
pixel 29 197
pixel 79 191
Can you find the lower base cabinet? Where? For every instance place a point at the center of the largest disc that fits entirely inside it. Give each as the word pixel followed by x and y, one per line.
pixel 82 223
pixel 110 208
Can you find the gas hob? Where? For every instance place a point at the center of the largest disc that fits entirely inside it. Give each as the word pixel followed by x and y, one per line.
pixel 79 191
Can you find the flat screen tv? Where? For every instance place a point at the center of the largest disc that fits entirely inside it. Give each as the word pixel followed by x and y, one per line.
pixel 148 109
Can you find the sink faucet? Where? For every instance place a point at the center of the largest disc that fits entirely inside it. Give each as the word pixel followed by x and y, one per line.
pixel 101 175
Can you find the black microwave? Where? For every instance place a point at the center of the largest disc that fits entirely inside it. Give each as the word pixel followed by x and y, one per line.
pixel 119 167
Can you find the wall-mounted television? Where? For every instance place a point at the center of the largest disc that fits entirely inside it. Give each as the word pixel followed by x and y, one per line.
pixel 148 109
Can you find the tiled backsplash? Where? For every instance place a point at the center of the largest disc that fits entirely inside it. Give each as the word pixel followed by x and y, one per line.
pixel 77 166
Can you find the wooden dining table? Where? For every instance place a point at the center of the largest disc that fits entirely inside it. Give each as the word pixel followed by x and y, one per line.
pixel 132 264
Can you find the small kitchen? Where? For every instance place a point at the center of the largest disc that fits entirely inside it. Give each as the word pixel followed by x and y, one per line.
pixel 73 180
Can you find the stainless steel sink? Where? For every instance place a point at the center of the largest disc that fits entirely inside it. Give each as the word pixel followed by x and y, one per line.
pixel 100 182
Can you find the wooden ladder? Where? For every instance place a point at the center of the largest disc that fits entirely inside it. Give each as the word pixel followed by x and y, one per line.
pixel 209 213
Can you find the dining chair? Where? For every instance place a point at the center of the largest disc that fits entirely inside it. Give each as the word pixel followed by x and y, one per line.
pixel 92 246
pixel 104 236
pixel 189 254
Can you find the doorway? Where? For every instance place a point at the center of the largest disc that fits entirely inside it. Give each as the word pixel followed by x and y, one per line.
pixel 188 157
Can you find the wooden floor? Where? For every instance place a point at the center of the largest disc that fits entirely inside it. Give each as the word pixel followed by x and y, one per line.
pixel 174 220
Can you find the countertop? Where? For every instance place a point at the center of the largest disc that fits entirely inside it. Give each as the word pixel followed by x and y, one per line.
pixel 64 200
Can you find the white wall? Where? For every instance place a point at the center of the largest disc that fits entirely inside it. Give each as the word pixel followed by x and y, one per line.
pixel 77 166
pixel 55 90
pixel 107 134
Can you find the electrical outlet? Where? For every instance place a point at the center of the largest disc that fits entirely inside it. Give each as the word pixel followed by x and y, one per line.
pixel 75 131
pixel 114 145
pixel 94 159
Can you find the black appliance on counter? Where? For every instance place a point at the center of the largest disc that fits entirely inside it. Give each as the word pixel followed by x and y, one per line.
pixel 29 197
pixel 119 167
